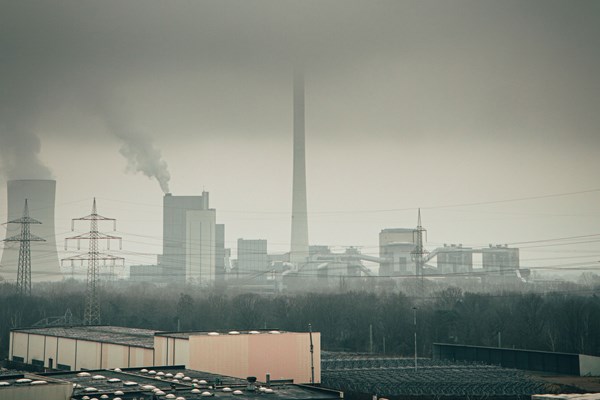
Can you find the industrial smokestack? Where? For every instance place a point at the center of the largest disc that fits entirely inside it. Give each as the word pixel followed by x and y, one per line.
pixel 299 242
pixel 44 257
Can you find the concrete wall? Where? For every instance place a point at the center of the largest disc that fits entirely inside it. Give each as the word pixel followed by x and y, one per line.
pixel 200 246
pixel 283 356
pixel 53 391
pixel 589 365
pixel 76 353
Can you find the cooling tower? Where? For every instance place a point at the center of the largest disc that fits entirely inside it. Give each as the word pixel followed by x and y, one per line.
pixel 44 257
pixel 299 241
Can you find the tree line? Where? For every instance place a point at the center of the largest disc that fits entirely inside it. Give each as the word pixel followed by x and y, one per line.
pixel 355 321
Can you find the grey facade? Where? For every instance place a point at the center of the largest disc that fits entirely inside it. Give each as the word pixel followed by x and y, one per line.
pixel 252 258
pixel 175 257
pixel 500 260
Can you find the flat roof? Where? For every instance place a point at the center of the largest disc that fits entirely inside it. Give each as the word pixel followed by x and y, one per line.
pixel 187 334
pixel 106 334
pixel 109 381
pixel 13 378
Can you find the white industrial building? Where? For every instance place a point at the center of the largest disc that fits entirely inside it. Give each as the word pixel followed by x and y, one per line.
pixel 395 248
pixel 192 240
pixel 284 355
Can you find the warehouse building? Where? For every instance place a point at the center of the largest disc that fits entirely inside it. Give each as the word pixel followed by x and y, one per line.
pixel 283 355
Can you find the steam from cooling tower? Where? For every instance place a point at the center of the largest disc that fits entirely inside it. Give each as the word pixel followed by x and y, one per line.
pixel 19 153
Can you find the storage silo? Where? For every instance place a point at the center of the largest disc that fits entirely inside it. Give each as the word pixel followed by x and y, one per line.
pixel 40 194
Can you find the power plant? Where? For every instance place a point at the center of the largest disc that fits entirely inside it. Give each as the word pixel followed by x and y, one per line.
pixel 40 194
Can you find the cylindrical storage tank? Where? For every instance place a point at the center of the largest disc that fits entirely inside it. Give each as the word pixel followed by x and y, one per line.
pixel 40 196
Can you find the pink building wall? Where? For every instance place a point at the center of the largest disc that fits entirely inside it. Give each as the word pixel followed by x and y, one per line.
pixel 284 356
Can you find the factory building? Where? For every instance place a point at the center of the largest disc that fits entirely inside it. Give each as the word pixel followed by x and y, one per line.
pixel 40 195
pixel 284 355
pixel 190 239
pixel 82 347
pixel 455 259
pixel 500 260
pixel 395 248
pixel 252 258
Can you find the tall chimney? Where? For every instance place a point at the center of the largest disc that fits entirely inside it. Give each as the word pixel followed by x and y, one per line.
pixel 40 194
pixel 299 242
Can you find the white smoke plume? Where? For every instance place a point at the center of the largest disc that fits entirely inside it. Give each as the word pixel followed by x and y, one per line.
pixel 138 147
pixel 19 153
pixel 142 156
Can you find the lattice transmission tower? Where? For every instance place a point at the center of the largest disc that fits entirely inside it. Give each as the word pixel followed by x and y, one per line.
pixel 91 315
pixel 419 252
pixel 25 237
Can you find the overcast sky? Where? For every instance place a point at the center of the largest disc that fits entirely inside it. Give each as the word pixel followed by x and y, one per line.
pixel 451 106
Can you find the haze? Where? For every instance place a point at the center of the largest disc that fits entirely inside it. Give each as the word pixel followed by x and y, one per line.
pixel 451 106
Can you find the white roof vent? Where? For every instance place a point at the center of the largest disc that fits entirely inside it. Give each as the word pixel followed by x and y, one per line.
pixel 104 396
pixel 234 333
pixel 170 396
pixel 152 372
pixel 179 375
pixel 180 398
pixel 160 373
pixel 23 380
pixel 159 393
pixel 84 374
pixel 274 332
pixel 119 393
pixel 117 398
pixel 206 394
pixel 195 391
pixel 213 333
pixel 269 391
pixel 144 370
pixel 226 389
pixel 90 389
pixel 254 332
pixel 187 378
pixel 98 377
pixel 130 383
pixel 148 387
pixel 114 380
pixel 202 382
pixel 39 383
pixel 117 369
pixel 4 383
pixel 85 398
pixel 238 392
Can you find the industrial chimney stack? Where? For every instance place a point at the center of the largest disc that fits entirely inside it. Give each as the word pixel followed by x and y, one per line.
pixel 299 242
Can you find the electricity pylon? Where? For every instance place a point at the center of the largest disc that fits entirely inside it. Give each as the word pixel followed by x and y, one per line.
pixel 419 252
pixel 25 237
pixel 91 315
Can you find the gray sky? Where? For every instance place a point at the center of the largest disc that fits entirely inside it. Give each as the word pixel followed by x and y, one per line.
pixel 408 104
